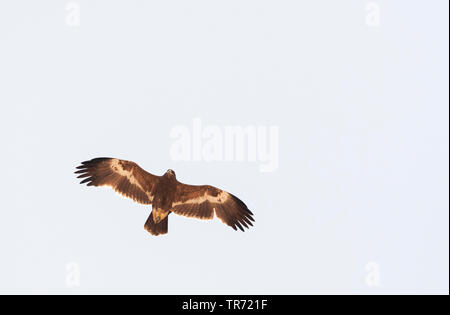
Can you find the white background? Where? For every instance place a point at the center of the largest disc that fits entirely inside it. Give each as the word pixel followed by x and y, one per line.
pixel 363 117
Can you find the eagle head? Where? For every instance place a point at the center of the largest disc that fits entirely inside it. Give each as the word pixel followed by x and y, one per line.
pixel 170 173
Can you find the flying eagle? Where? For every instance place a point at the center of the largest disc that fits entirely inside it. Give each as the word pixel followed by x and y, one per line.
pixel 165 194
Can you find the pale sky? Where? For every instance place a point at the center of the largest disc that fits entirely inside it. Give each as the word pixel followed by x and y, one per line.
pixel 357 89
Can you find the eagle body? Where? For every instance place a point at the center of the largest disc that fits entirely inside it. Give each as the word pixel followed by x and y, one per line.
pixel 165 194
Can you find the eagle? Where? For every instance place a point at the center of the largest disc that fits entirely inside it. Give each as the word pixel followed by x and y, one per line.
pixel 165 194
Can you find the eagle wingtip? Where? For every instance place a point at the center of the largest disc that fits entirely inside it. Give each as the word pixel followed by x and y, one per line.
pixel 93 161
pixel 85 180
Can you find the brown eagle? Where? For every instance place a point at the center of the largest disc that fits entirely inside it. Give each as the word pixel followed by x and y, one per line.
pixel 165 194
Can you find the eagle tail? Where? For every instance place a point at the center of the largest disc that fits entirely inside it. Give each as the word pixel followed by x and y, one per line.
pixel 156 228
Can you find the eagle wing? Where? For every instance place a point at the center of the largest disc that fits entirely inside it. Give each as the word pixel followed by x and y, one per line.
pixel 125 177
pixel 202 202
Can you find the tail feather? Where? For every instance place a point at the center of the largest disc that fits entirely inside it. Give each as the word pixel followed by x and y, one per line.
pixel 156 229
